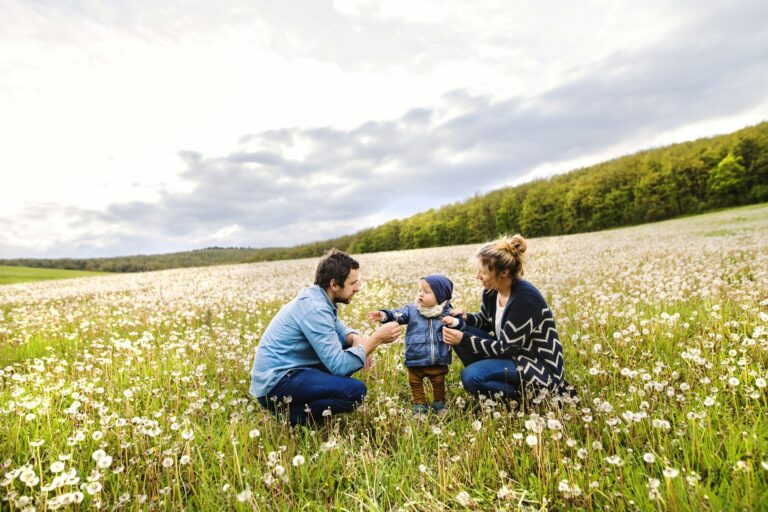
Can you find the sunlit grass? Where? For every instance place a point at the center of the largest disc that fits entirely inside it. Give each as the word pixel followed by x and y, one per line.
pixel 10 275
pixel 130 392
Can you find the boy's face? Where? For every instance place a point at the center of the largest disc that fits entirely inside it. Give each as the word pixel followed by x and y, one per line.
pixel 425 298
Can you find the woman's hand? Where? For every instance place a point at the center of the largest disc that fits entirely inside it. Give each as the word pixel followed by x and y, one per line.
pixel 459 312
pixel 452 336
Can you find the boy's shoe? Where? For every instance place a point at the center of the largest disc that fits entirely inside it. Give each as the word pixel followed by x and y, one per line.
pixel 439 407
pixel 420 409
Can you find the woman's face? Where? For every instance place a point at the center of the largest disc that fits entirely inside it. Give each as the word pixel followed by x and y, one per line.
pixel 487 277
pixel 490 278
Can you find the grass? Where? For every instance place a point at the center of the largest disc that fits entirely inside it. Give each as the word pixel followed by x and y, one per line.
pixel 11 275
pixel 130 392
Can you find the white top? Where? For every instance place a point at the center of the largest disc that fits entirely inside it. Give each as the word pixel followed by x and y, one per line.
pixel 499 314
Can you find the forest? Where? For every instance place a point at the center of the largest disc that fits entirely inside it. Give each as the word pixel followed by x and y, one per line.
pixel 656 184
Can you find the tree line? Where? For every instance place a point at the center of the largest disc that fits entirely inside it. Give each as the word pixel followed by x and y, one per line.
pixel 652 185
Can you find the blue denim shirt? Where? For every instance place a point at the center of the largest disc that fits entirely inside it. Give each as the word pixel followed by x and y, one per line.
pixel 305 332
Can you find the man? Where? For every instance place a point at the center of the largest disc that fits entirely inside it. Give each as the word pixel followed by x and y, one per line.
pixel 306 354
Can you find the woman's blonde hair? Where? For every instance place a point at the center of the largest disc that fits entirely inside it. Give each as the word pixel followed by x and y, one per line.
pixel 504 254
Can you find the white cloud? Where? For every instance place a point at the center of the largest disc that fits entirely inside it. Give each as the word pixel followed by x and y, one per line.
pixel 292 110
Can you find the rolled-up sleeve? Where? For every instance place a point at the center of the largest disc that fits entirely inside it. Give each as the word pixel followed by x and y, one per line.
pixel 322 330
pixel 343 331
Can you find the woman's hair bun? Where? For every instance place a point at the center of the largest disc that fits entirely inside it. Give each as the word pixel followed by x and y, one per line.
pixel 515 245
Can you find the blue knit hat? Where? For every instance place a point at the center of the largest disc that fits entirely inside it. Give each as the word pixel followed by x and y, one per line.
pixel 441 286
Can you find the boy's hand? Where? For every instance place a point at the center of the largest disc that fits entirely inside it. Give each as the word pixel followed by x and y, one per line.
pixel 452 336
pixel 448 321
pixel 459 312
pixel 378 316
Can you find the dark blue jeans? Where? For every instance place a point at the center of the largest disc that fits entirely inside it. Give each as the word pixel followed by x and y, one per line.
pixel 313 391
pixel 484 375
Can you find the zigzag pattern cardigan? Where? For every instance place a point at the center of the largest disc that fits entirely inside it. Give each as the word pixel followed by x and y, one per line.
pixel 528 336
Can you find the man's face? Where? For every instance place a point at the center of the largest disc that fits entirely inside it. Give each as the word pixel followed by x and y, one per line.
pixel 351 286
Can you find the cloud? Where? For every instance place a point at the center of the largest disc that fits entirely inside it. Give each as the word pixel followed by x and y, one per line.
pixel 293 185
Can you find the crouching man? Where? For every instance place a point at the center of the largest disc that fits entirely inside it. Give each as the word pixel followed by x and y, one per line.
pixel 306 354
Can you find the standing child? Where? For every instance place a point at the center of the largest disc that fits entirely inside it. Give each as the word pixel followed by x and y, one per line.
pixel 425 353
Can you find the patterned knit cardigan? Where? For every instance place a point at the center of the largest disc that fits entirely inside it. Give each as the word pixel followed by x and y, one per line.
pixel 529 337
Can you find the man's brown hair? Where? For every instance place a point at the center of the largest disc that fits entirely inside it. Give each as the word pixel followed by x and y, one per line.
pixel 334 265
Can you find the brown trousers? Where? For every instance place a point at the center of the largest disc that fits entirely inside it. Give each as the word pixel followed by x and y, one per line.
pixel 436 376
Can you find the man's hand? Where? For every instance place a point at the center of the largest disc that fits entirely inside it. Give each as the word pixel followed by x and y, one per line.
pixel 387 333
pixel 452 336
pixel 377 316
pixel 368 363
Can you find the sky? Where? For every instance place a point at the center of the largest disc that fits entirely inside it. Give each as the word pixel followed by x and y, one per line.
pixel 159 126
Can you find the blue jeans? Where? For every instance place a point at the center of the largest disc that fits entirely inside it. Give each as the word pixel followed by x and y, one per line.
pixel 312 391
pixel 484 375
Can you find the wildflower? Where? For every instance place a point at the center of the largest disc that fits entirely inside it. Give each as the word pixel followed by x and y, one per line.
pixel 57 467
pixel 298 460
pixel 167 462
pixel 505 493
pixel 464 499
pixel 568 490
pixel 244 496
pixel 760 382
pixel 477 425
pixel 733 382
pixel 184 460
pixel 531 440
pixel 649 458
pixel 709 401
pixel 553 424
pixel 104 462
pixel 253 434
pixel 437 430
pixel 93 488
pixel 97 435
pixel 327 413
pixel 422 468
pixel 189 435
pixel 741 466
pixel 98 455
pixel 614 460
pixel 671 472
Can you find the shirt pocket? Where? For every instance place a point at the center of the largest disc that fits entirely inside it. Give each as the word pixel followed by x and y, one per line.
pixel 416 347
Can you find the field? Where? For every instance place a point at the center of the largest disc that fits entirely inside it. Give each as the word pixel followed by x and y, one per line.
pixel 129 392
pixel 10 275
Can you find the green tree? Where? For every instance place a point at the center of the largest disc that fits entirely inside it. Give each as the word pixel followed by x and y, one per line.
pixel 727 182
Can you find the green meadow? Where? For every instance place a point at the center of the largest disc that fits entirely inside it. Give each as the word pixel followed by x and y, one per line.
pixel 10 275
pixel 130 392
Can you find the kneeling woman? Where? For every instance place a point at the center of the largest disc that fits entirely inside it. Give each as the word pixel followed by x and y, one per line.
pixel 511 346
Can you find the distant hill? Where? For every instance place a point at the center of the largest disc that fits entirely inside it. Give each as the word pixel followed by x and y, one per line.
pixel 656 184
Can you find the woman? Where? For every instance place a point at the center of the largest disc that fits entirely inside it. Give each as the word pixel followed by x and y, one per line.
pixel 511 346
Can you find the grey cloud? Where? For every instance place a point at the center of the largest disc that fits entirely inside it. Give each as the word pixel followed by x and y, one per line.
pixel 712 68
